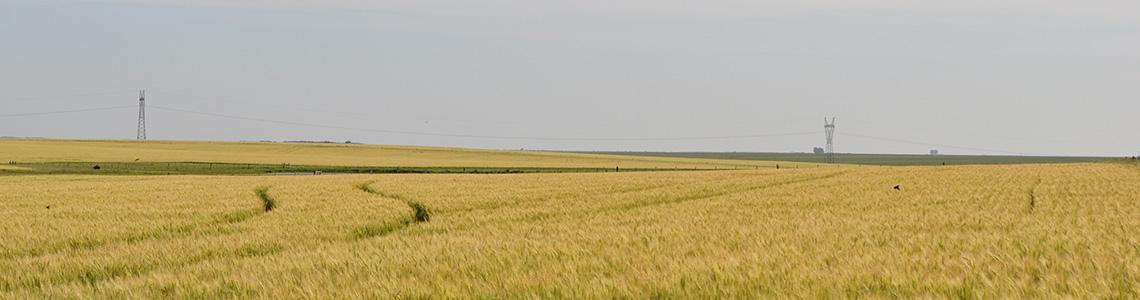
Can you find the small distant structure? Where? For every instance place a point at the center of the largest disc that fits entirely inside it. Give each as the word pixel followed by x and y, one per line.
pixel 934 152
pixel 142 116
pixel 829 130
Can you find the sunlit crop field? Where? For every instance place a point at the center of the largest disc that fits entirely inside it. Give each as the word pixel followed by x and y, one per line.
pixel 46 150
pixel 1038 231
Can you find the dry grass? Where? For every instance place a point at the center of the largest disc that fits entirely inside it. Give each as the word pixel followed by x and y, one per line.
pixel 960 232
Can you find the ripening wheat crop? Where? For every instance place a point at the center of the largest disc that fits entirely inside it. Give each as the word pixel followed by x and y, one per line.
pixel 47 150
pixel 1026 231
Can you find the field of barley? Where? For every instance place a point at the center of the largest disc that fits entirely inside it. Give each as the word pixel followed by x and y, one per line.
pixel 958 232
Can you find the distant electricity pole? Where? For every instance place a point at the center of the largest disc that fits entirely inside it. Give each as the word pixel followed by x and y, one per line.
pixel 142 115
pixel 829 129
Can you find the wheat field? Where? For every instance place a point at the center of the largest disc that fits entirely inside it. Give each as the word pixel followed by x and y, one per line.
pixel 49 150
pixel 956 232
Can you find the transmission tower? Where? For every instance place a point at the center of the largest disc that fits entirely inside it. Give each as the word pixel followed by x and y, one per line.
pixel 829 129
pixel 142 115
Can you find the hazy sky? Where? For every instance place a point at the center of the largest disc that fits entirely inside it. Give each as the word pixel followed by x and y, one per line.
pixel 1042 77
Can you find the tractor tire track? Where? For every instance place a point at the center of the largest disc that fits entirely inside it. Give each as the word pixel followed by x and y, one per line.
pixel 702 196
pixel 420 213
pixel 671 200
pixel 622 191
pixel 94 274
pixel 166 232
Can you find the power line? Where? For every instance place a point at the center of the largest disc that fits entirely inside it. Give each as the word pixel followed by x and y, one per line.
pixel 476 136
pixel 63 96
pixel 930 144
pixel 405 117
pixel 502 122
pixel 991 136
pixel 502 137
pixel 65 111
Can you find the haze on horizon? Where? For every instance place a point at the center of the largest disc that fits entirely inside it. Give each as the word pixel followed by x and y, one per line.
pixel 966 77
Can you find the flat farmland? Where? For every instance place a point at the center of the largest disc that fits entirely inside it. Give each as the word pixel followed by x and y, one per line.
pixel 875 159
pixel 959 232
pixel 47 151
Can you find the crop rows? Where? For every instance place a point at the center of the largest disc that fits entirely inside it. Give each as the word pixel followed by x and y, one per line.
pixel 1036 231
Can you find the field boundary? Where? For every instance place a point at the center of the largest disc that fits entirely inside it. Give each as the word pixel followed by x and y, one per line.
pixel 871 159
pixel 215 168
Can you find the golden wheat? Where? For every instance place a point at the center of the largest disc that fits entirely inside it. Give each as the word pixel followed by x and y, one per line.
pixel 1026 231
pixel 42 150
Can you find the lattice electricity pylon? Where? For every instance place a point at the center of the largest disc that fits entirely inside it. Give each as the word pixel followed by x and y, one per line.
pixel 142 115
pixel 829 129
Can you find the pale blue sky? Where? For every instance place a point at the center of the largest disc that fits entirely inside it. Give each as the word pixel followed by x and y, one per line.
pixel 969 77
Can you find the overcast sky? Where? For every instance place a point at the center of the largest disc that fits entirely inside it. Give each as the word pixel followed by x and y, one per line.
pixel 1044 77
